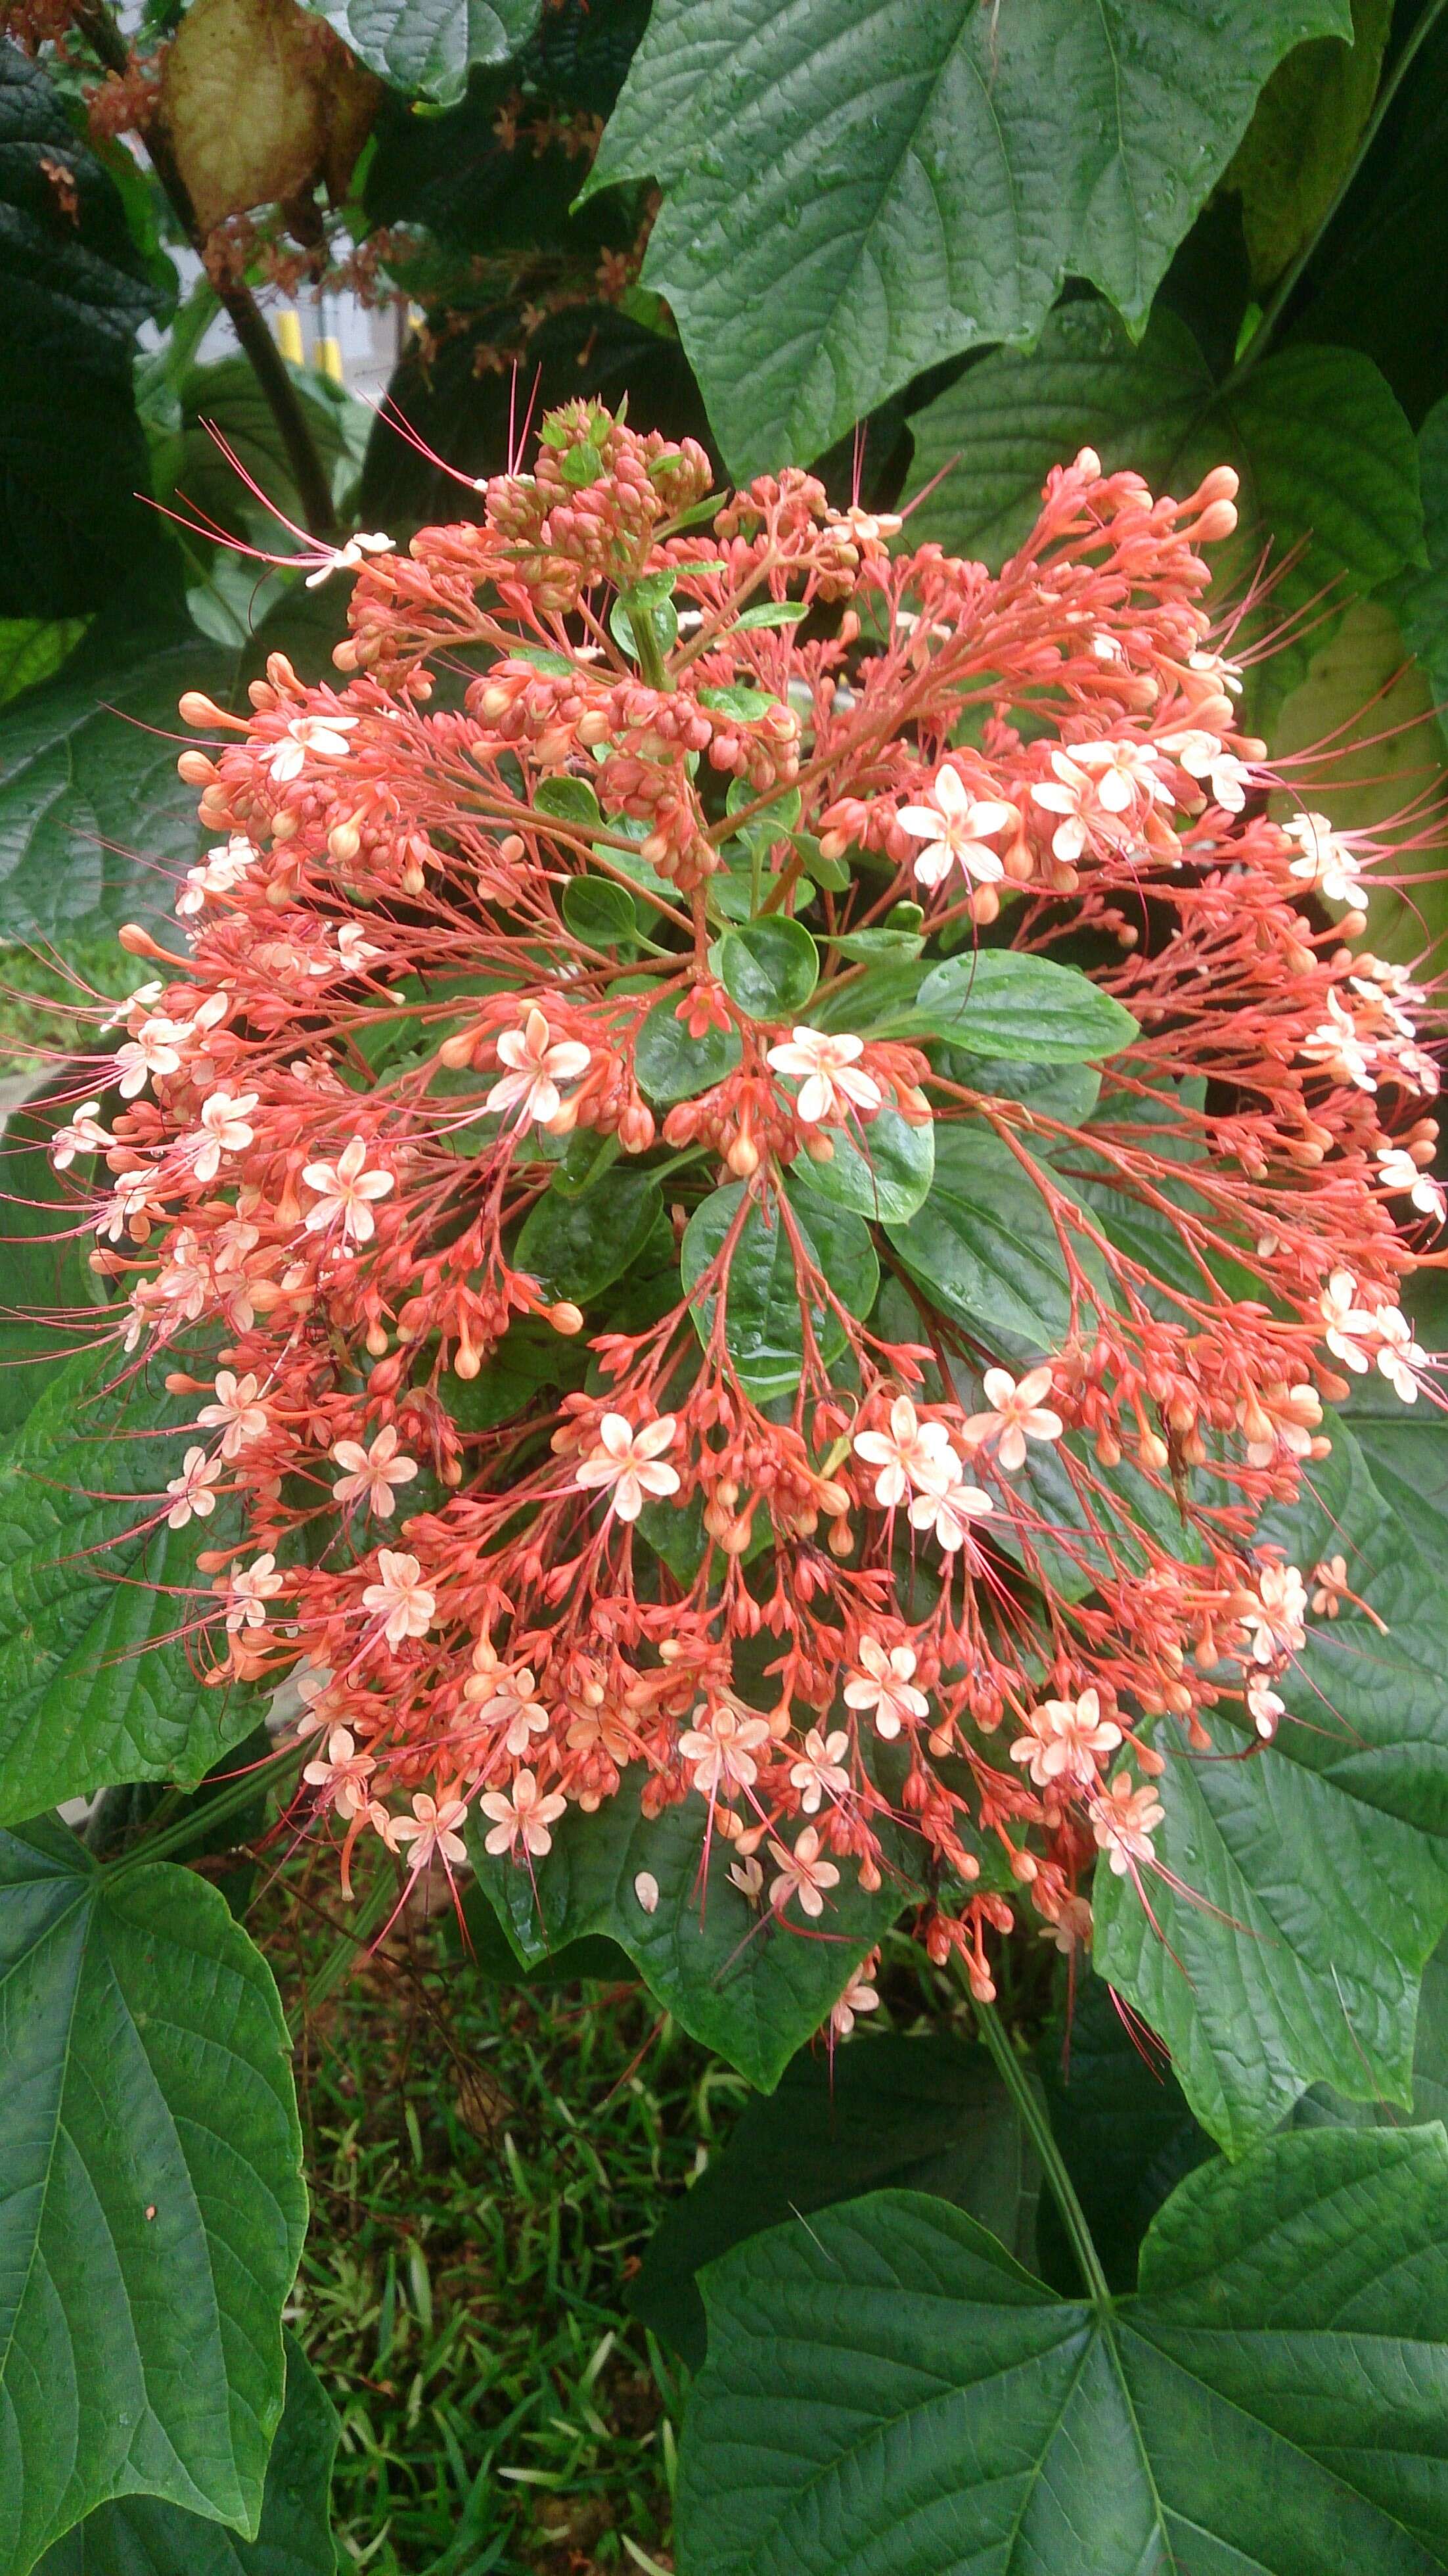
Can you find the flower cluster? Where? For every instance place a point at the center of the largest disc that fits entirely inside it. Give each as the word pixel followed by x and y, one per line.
pixel 660 1336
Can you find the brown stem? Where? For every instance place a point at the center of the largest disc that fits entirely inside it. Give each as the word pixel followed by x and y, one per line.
pixel 278 391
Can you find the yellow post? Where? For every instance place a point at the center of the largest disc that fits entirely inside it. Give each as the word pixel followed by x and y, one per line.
pixel 327 358
pixel 289 334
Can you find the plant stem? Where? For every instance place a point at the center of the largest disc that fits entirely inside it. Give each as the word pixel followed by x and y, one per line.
pixel 1013 2075
pixel 203 1820
pixel 370 1912
pixel 1286 287
pixel 280 394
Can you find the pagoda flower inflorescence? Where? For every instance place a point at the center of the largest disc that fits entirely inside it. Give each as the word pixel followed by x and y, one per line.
pixel 492 1159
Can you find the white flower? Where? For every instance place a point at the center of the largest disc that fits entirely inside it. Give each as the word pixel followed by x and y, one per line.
pixel 1398 1172
pixel 1326 863
pixel 911 1455
pixel 1339 1048
pixel 348 558
pixel 722 1749
pixel 153 1049
pixel 1064 1739
pixel 507 1697
pixel 344 1774
pixel 237 1413
pixel 538 1063
pixel 950 1514
pixel 817 1774
pixel 348 1191
pixel 192 1489
pixel 824 1067
pixel 400 1597
pixel 248 1590
pixel 859 1997
pixel 802 1873
pixel 1202 756
pixel 1345 1320
pixel 1398 1354
pixel 1017 1415
pixel 432 1830
pixel 630 1462
pixel 355 951
pixel 1124 1821
pixel 372 1474
pixel 1072 795
pixel 1277 1619
pixel 955 827
pixel 1123 771
pixel 885 1685
pixel 84 1135
pixel 326 736
pixel 1264 1706
pixel 224 1130
pixel 524 1818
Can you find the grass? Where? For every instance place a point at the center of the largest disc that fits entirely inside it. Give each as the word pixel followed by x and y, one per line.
pixel 486 2165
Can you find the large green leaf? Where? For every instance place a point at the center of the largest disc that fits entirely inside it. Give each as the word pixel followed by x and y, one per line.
pixel 95 1684
pixel 92 813
pixel 578 1246
pixel 984 1246
pixel 1326 457
pixel 888 2394
pixel 763 1319
pixel 154 2204
pixel 73 294
pixel 885 1172
pixel 429 45
pixel 1302 139
pixel 753 1988
pixel 998 1003
pixel 852 199
pixel 1308 1884
pixel 139 2536
pixel 928 2114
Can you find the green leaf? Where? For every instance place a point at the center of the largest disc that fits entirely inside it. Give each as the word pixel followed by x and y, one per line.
pixel 851 202
pixel 1066 1092
pixel 142 2537
pixel 747 704
pixel 763 1324
pixel 95 1684
pixel 862 945
pixel 1326 456
pixel 600 912
pixel 888 2394
pixel 577 1247
pixel 1421 599
pixel 770 968
pixel 1002 1003
pixel 73 294
pixel 154 2203
pixel 32 649
pixel 1303 137
pixel 928 2114
pixel 87 777
pixel 1310 1883
pixel 751 1987
pixel 774 612
pixel 670 1065
pixel 569 800
pixel 429 46
pixel 984 1246
pixel 885 1173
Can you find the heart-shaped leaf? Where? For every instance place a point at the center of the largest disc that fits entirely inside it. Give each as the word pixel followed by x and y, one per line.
pixel 154 2206
pixel 888 2394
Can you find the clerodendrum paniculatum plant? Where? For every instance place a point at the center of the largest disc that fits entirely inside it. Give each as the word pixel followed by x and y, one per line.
pixel 756 1201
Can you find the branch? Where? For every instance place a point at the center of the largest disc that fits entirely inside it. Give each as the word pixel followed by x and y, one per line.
pixel 278 391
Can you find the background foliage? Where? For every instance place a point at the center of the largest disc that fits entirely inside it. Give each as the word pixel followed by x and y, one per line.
pixel 938 246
